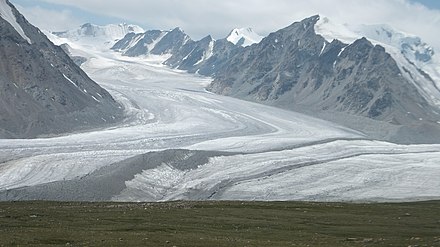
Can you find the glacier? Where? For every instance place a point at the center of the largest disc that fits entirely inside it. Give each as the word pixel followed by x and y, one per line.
pixel 259 152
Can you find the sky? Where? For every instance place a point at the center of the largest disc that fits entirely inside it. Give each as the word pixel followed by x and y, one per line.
pixel 218 17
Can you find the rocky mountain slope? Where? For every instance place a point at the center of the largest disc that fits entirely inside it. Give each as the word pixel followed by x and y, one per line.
pixel 301 67
pixel 296 68
pixel 42 91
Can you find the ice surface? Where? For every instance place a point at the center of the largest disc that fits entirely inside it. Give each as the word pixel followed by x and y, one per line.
pixel 333 171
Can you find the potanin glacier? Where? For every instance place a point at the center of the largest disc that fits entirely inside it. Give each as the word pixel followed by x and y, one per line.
pixel 181 142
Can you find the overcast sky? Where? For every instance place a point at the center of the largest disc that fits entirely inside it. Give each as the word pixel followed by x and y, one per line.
pixel 217 17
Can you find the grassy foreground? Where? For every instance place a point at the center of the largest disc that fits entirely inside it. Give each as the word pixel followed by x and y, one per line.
pixel 219 224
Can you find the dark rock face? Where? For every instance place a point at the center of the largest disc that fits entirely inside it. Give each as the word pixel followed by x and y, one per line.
pixel 171 43
pixel 134 45
pixel 42 91
pixel 222 53
pixel 124 43
pixel 192 54
pixel 204 56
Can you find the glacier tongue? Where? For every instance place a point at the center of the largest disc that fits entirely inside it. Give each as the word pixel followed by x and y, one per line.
pixel 7 14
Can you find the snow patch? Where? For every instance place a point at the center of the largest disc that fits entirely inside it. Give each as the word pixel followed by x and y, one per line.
pixel 246 34
pixel 323 48
pixel 331 31
pixel 208 53
pixel 70 80
pixel 97 100
pixel 342 50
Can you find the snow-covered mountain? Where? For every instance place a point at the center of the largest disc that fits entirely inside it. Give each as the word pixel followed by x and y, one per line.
pixel 299 69
pixel 107 35
pixel 412 47
pixel 412 54
pixel 416 59
pixel 244 37
pixel 175 48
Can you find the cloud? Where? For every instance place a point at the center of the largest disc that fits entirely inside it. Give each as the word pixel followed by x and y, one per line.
pixel 50 20
pixel 202 17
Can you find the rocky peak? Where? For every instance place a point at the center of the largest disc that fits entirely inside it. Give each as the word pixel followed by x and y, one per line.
pixel 171 42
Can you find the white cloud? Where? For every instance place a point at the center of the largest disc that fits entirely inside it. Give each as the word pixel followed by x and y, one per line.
pixel 50 20
pixel 202 17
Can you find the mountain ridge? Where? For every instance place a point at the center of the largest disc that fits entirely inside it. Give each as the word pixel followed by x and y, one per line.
pixel 42 91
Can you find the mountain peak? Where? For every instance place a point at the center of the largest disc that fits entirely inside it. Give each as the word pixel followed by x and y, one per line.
pixel 178 29
pixel 244 37
pixel 207 38
pixel 312 19
pixel 86 25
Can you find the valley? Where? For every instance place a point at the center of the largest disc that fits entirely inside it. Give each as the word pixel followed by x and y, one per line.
pixel 117 113
pixel 271 154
